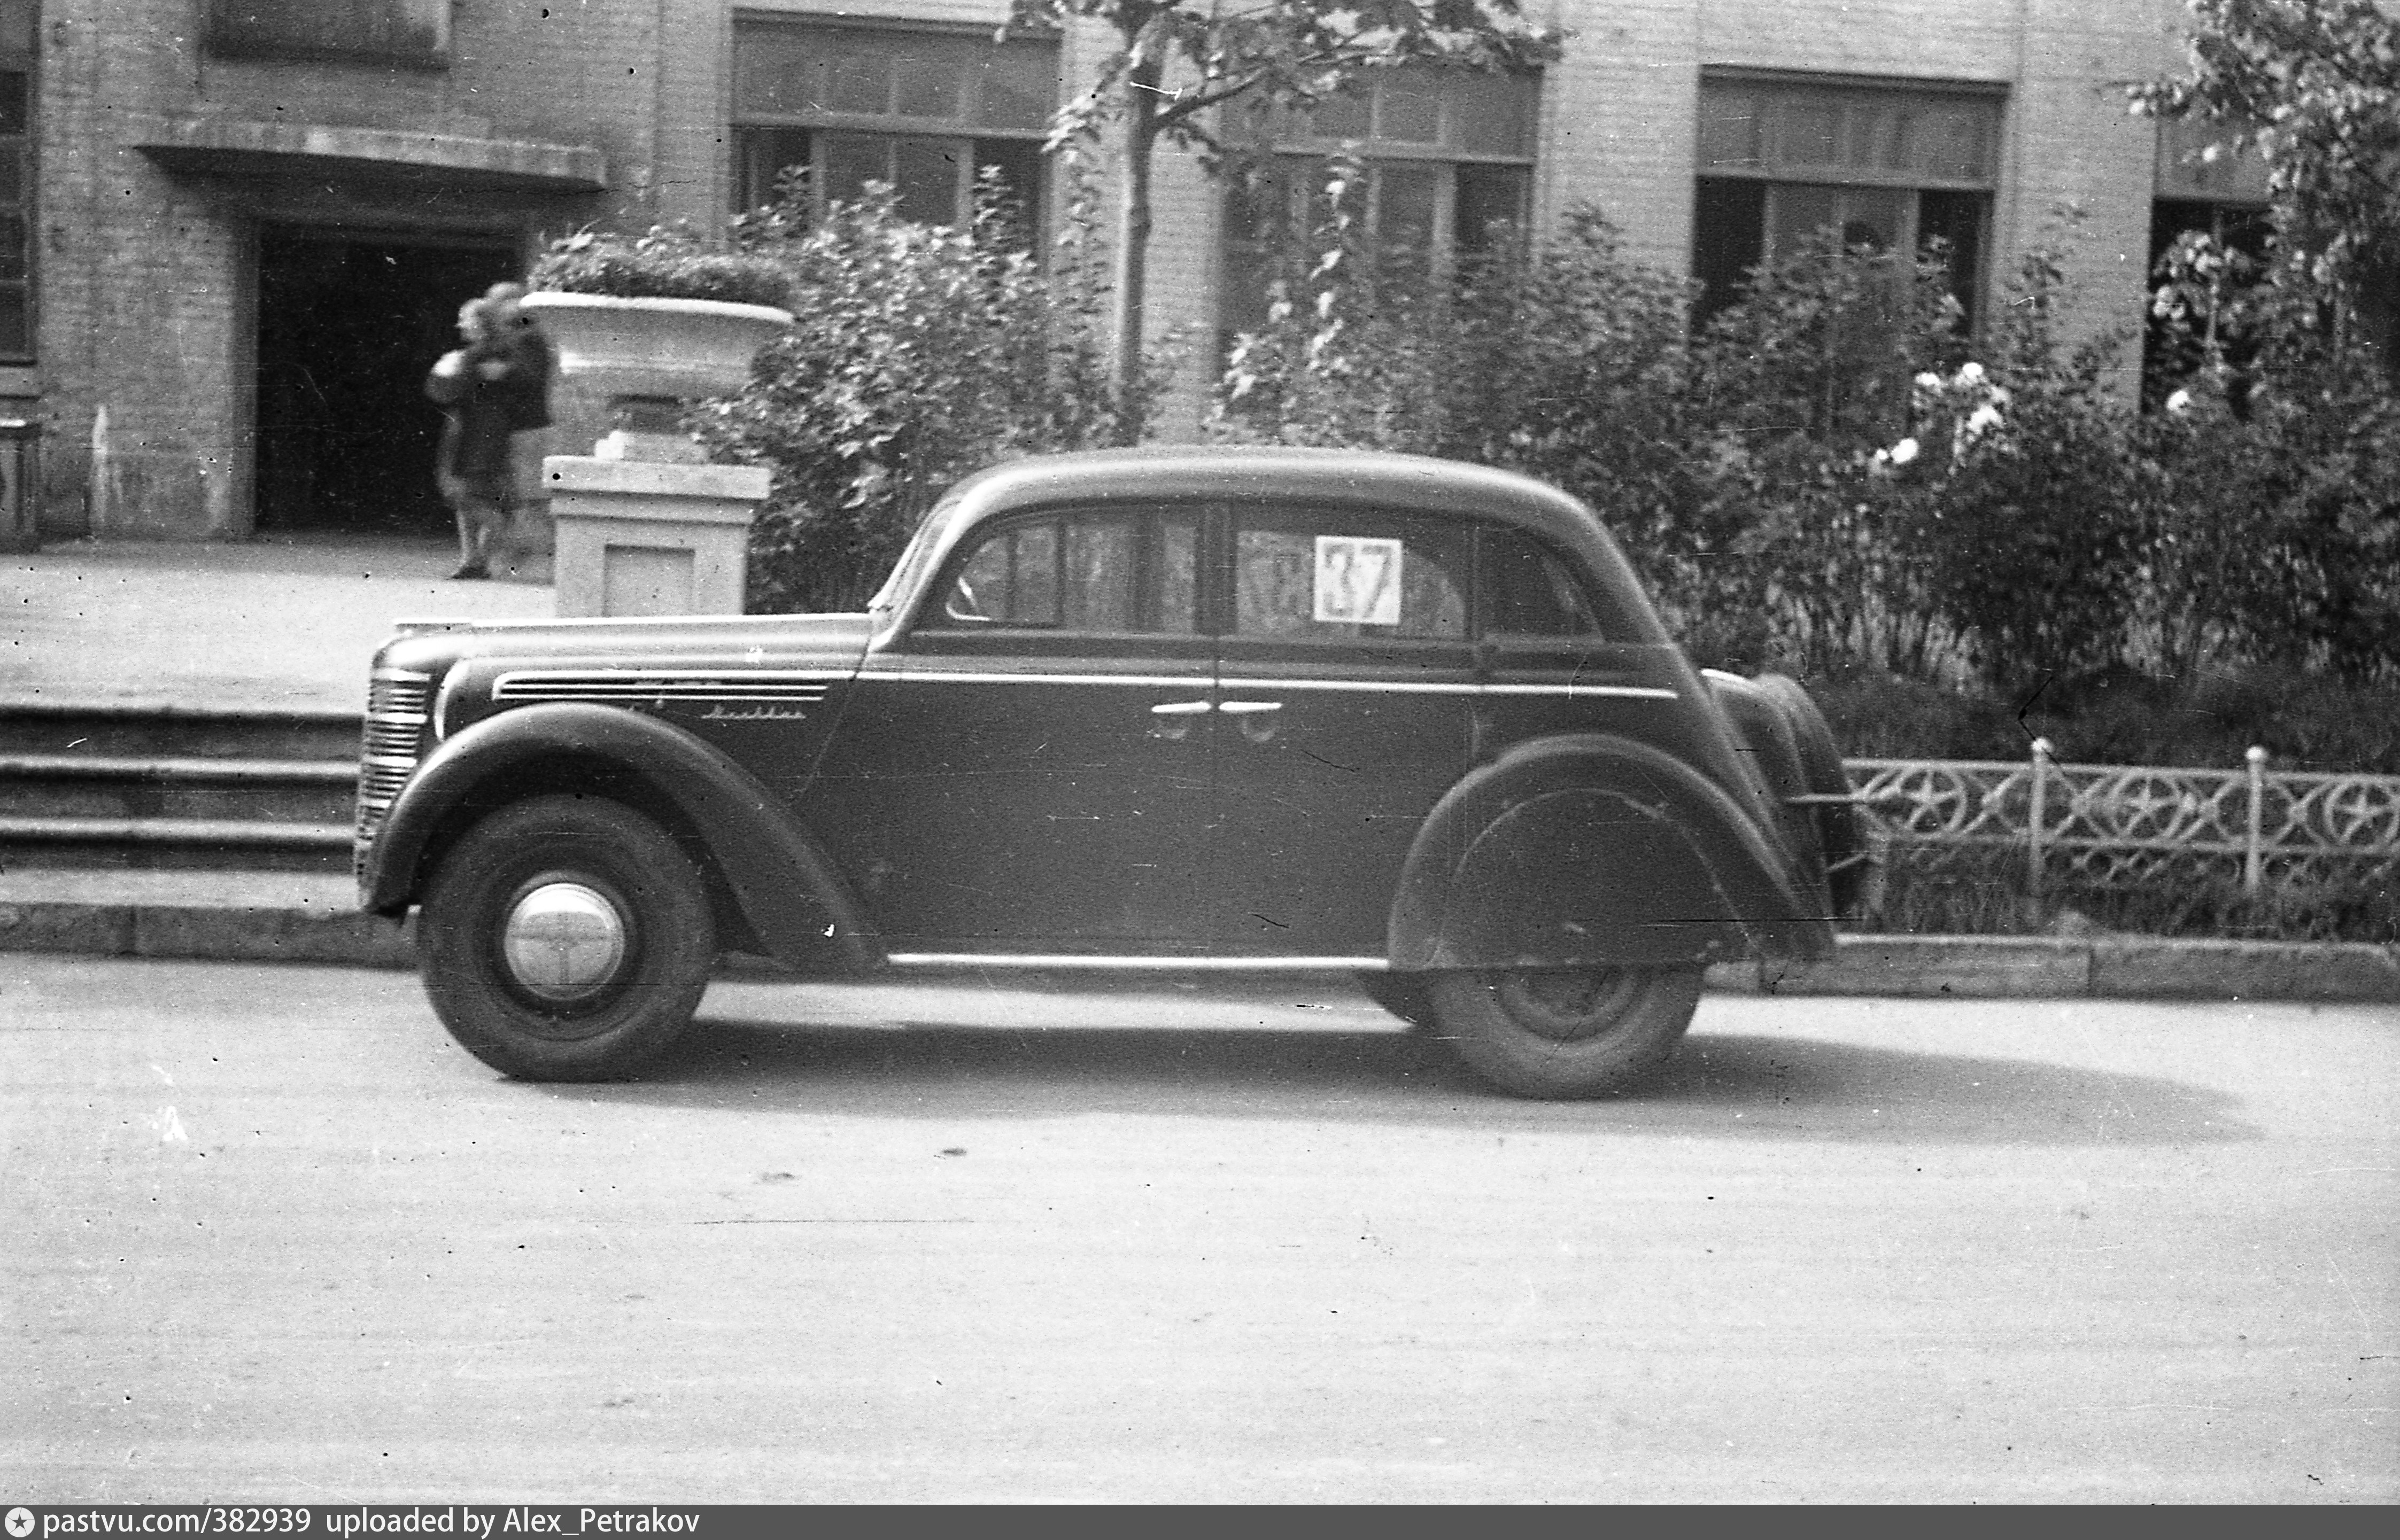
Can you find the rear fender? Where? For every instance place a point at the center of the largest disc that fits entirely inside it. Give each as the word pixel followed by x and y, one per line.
pixel 782 881
pixel 1595 849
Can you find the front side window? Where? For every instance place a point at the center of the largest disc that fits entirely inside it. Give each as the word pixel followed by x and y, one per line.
pixel 1894 168
pixel 17 57
pixel 926 111
pixel 1127 572
pixel 1449 158
pixel 407 31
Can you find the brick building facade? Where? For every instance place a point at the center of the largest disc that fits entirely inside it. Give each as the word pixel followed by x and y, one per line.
pixel 241 228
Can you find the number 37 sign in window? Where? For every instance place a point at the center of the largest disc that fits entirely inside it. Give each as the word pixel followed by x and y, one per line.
pixel 1358 580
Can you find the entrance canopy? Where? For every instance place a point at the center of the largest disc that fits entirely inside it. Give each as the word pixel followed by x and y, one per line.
pixel 326 173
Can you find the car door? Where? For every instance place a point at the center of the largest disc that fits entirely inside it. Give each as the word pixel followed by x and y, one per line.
pixel 1025 770
pixel 1346 699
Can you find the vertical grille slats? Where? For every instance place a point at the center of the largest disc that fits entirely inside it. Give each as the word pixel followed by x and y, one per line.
pixel 387 748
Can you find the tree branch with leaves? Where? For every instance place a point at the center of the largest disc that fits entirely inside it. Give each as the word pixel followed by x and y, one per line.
pixel 1179 64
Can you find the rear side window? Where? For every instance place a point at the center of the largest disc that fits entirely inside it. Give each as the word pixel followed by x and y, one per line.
pixel 1128 571
pixel 1530 592
pixel 1343 574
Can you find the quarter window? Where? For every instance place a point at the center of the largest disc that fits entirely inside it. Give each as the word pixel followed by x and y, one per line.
pixel 926 111
pixel 1895 167
pixel 1529 592
pixel 1127 572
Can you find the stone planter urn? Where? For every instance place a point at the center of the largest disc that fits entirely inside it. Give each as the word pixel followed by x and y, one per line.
pixel 639 525
pixel 629 363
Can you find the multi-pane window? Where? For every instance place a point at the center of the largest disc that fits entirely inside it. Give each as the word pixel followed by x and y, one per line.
pixel 2222 196
pixel 1124 572
pixel 1894 167
pixel 406 31
pixel 18 47
pixel 926 111
pixel 1449 157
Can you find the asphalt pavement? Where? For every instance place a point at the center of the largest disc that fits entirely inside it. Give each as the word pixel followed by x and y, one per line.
pixel 273 1237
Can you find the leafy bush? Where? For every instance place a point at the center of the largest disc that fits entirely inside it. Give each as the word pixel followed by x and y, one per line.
pixel 1829 475
pixel 2307 721
pixel 666 261
pixel 918 353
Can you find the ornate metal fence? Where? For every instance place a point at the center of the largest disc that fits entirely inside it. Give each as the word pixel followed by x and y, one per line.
pixel 2124 824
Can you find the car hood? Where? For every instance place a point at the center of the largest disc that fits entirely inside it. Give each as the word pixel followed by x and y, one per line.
pixel 828 643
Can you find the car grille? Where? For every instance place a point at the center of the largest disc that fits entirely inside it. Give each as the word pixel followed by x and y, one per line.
pixel 395 725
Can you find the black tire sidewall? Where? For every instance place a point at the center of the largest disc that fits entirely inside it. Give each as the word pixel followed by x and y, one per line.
pixel 617 852
pixel 1472 1017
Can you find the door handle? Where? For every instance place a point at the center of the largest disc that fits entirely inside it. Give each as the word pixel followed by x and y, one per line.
pixel 1246 708
pixel 1171 720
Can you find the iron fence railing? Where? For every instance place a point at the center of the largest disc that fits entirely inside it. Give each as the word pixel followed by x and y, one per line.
pixel 2123 824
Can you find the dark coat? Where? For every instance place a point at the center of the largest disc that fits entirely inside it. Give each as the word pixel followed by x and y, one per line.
pixel 485 412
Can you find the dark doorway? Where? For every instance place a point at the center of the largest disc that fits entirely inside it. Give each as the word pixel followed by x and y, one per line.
pixel 348 325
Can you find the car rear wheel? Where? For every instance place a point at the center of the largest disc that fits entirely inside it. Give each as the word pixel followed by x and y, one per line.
pixel 565 938
pixel 1565 1032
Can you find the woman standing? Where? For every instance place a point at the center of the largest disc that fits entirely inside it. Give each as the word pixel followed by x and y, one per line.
pixel 474 467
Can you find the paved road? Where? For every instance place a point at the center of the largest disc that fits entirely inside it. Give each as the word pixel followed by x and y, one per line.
pixel 271 1238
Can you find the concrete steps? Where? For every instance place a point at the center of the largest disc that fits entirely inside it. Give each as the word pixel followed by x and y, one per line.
pixel 157 786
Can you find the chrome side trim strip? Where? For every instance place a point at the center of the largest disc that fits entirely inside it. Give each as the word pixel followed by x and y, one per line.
pixel 1187 681
pixel 927 676
pixel 1139 964
pixel 801 686
pixel 1618 692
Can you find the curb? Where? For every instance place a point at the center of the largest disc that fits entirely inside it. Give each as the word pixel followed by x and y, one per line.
pixel 2114 967
pixel 234 917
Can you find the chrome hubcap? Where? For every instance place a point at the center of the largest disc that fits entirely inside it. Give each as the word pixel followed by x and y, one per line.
pixel 563 941
pixel 1569 1005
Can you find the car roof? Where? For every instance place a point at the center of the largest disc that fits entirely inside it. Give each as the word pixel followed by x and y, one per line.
pixel 1242 471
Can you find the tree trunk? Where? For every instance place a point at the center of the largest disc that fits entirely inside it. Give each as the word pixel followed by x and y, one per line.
pixel 1133 230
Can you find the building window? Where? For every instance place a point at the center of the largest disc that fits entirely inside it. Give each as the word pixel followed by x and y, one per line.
pixel 926 111
pixel 1449 157
pixel 415 32
pixel 17 52
pixel 2222 196
pixel 1897 168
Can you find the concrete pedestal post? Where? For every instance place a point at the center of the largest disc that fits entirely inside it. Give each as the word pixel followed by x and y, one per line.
pixel 647 538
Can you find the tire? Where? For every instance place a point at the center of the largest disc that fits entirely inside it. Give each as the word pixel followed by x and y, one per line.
pixel 1407 996
pixel 598 1002
pixel 1841 837
pixel 1565 1032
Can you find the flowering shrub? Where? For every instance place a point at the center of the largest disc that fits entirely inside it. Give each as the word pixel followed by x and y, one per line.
pixel 1821 476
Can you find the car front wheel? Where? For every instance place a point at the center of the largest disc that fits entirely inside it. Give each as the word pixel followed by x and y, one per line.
pixel 565 938
pixel 1565 1032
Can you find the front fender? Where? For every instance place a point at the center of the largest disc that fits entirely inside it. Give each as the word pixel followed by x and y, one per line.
pixel 785 884
pixel 1595 849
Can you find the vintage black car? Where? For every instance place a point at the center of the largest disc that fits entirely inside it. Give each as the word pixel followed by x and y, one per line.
pixel 1181 709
